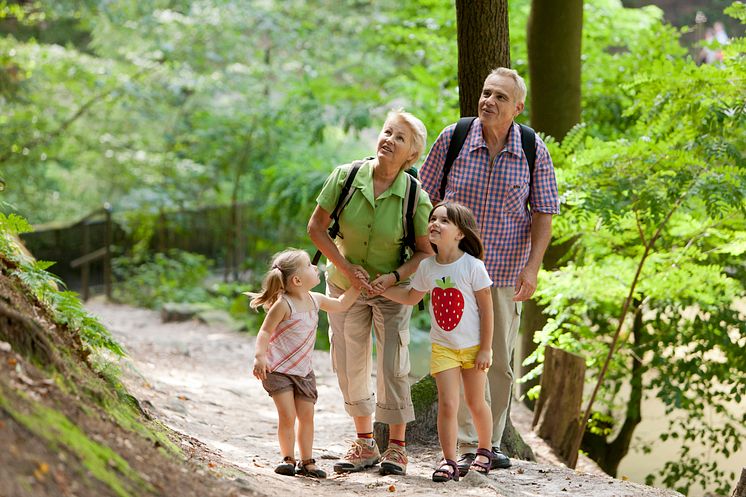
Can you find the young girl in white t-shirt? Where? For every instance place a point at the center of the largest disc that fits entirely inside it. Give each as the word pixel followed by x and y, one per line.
pixel 461 329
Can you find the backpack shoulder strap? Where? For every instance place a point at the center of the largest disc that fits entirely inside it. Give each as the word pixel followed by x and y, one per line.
pixel 457 142
pixel 411 198
pixel 345 195
pixel 528 143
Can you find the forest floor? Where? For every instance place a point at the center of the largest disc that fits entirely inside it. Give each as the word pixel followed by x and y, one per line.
pixel 196 379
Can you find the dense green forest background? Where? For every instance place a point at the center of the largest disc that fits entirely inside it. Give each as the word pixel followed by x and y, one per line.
pixel 163 106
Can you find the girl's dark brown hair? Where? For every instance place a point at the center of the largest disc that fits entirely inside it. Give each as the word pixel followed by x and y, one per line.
pixel 461 216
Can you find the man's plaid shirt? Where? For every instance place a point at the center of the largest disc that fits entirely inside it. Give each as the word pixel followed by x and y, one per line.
pixel 498 196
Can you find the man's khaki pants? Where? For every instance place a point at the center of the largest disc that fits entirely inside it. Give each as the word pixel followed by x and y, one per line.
pixel 351 348
pixel 507 317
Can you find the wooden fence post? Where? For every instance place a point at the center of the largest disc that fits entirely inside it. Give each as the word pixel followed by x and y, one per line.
pixel 557 412
pixel 86 269
pixel 107 245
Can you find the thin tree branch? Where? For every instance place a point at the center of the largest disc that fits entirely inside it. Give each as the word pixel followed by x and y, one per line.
pixel 67 122
pixel 620 325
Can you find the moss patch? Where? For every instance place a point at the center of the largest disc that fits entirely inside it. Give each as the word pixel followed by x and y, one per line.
pixel 59 432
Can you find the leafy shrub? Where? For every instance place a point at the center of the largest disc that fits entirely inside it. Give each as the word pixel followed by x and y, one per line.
pixel 152 280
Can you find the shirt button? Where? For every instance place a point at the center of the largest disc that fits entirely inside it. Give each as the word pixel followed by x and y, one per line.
pixel 365 243
pixel 369 226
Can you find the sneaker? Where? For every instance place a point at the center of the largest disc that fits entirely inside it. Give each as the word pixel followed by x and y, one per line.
pixel 361 455
pixel 464 463
pixel 394 461
pixel 499 460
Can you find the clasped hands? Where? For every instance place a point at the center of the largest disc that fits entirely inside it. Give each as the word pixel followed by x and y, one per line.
pixel 359 278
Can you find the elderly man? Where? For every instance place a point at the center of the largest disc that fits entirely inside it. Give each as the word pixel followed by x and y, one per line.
pixel 513 204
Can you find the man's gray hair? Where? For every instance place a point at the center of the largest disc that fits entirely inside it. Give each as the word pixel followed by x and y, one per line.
pixel 520 85
pixel 419 132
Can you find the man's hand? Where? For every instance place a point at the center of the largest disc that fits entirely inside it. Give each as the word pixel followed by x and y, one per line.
pixel 525 284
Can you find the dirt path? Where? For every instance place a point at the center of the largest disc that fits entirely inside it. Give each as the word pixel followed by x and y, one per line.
pixel 196 379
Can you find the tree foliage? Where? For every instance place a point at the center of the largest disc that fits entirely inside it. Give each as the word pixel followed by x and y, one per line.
pixel 658 217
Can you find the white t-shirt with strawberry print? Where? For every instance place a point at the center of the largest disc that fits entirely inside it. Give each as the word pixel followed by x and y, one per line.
pixel 454 314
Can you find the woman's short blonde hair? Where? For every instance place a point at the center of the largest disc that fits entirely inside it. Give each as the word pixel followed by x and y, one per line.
pixel 417 127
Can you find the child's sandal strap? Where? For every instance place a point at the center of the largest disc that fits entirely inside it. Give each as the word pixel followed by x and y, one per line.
pixel 315 473
pixel 482 467
pixel 442 475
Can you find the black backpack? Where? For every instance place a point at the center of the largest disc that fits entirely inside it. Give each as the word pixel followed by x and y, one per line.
pixel 528 143
pixel 409 204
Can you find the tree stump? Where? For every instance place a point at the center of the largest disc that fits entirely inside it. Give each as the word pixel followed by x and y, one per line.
pixel 424 429
pixel 557 413
pixel 740 490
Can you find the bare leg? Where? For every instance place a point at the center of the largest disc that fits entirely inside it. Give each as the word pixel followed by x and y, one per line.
pixel 304 409
pixel 285 404
pixel 363 424
pixel 448 391
pixel 397 431
pixel 474 381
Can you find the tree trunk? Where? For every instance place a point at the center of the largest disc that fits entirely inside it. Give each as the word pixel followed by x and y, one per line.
pixel 554 39
pixel 533 319
pixel 557 413
pixel 483 44
pixel 740 490
pixel 554 36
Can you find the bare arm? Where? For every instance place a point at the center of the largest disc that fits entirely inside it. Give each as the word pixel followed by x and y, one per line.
pixel 317 231
pixel 541 235
pixel 486 323
pixel 276 313
pixel 406 296
pixel 339 304
pixel 423 250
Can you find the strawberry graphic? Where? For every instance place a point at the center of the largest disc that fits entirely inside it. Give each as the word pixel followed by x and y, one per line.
pixel 448 304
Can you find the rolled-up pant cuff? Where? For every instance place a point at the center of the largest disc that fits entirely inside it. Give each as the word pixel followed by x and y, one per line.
pixel 394 415
pixel 360 408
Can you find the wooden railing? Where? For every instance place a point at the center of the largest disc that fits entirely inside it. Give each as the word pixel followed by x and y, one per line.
pixel 90 256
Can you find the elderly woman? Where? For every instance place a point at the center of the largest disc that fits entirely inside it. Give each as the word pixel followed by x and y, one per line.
pixel 367 255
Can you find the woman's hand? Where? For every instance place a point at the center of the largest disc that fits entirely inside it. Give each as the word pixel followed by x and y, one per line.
pixel 358 276
pixel 483 360
pixel 261 368
pixel 381 283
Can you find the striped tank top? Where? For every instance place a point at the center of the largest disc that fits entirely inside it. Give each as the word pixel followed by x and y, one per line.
pixel 291 344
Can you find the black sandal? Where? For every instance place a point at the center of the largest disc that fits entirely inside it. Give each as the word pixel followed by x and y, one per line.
pixel 441 474
pixel 287 467
pixel 482 467
pixel 313 473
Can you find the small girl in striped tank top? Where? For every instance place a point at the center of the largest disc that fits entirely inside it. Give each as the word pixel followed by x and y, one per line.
pixel 283 351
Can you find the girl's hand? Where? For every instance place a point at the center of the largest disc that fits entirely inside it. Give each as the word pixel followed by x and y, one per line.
pixel 381 284
pixel 261 368
pixel 483 360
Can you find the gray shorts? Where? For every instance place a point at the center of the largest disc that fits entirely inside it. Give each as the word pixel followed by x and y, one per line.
pixel 303 387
